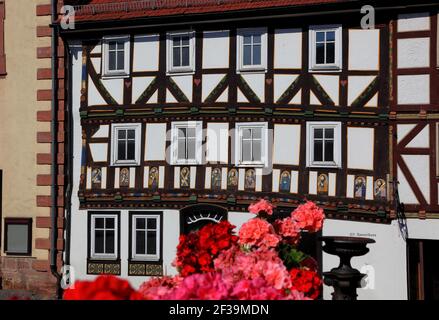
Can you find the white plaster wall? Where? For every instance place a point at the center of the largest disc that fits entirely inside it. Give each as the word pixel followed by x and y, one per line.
pixel 414 89
pixel 139 86
pixel 413 22
pixel 217 142
pixel 423 229
pixel 256 82
pixel 360 148
pixel 419 166
pixel 155 142
pixel 331 84
pixel 288 48
pixel 216 46
pixel 99 151
pixel 281 84
pixel 414 53
pixel 286 148
pixel 146 53
pixel 185 83
pixel 387 257
pixel 406 194
pixel 364 49
pixel 210 81
pixel 357 85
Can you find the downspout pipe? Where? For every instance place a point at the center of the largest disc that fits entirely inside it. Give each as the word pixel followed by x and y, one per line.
pixel 54 151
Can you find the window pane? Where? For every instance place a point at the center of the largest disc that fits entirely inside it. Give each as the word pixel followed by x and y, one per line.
pixel 247 55
pixel 318 150
pixel 330 53
pixel 318 133
pixel 257 39
pixel 140 242
pixel 246 150
pixel 247 39
pixel 131 150
pixel 99 241
pixel 176 41
pixel 112 46
pixel 181 149
pixel 330 36
pixel 109 223
pixel 120 60
pixel 257 150
pixel 246 133
pixel 152 224
pixel 185 41
pixel 320 53
pixel 329 133
pixel 121 150
pixel 185 57
pixel 112 60
pixel 257 54
pixel 131 134
pixel 257 133
pixel 109 241
pixel 329 150
pixel 191 132
pixel 176 58
pixel 191 146
pixel 140 223
pixel 121 134
pixel 152 242
pixel 320 36
pixel 17 238
pixel 181 132
pixel 99 223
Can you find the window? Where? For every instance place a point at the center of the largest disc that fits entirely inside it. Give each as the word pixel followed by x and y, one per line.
pixel 186 141
pixel 323 144
pixel 181 52
pixel 251 144
pixel 252 49
pixel 116 56
pixel 2 39
pixel 325 47
pixel 18 236
pixel 145 237
pixel 104 236
pixel 125 144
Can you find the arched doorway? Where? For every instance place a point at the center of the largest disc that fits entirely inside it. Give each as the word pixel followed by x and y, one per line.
pixel 194 217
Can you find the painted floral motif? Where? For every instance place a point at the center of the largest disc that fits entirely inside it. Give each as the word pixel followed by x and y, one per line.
pixel 185 177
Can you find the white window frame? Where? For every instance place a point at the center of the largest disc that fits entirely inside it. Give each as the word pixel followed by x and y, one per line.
pixel 170 55
pixel 238 144
pixel 337 65
pixel 104 256
pixel 145 257
pixel 310 126
pixel 240 50
pixel 198 126
pixel 114 143
pixel 107 73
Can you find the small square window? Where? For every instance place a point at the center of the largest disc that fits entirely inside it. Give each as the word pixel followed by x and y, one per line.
pixel 252 50
pixel 104 236
pixel 323 144
pixel 186 142
pixel 145 237
pixel 181 52
pixel 125 144
pixel 325 44
pixel 251 144
pixel 116 56
pixel 18 236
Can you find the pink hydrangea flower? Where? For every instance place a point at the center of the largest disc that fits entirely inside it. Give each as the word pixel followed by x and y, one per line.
pixel 261 206
pixel 309 217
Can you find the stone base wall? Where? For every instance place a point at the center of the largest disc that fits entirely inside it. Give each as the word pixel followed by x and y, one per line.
pixel 17 274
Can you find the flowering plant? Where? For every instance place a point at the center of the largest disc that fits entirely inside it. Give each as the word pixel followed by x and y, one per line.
pixel 261 263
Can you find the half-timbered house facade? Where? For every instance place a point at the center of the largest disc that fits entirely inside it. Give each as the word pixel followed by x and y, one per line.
pixel 185 115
